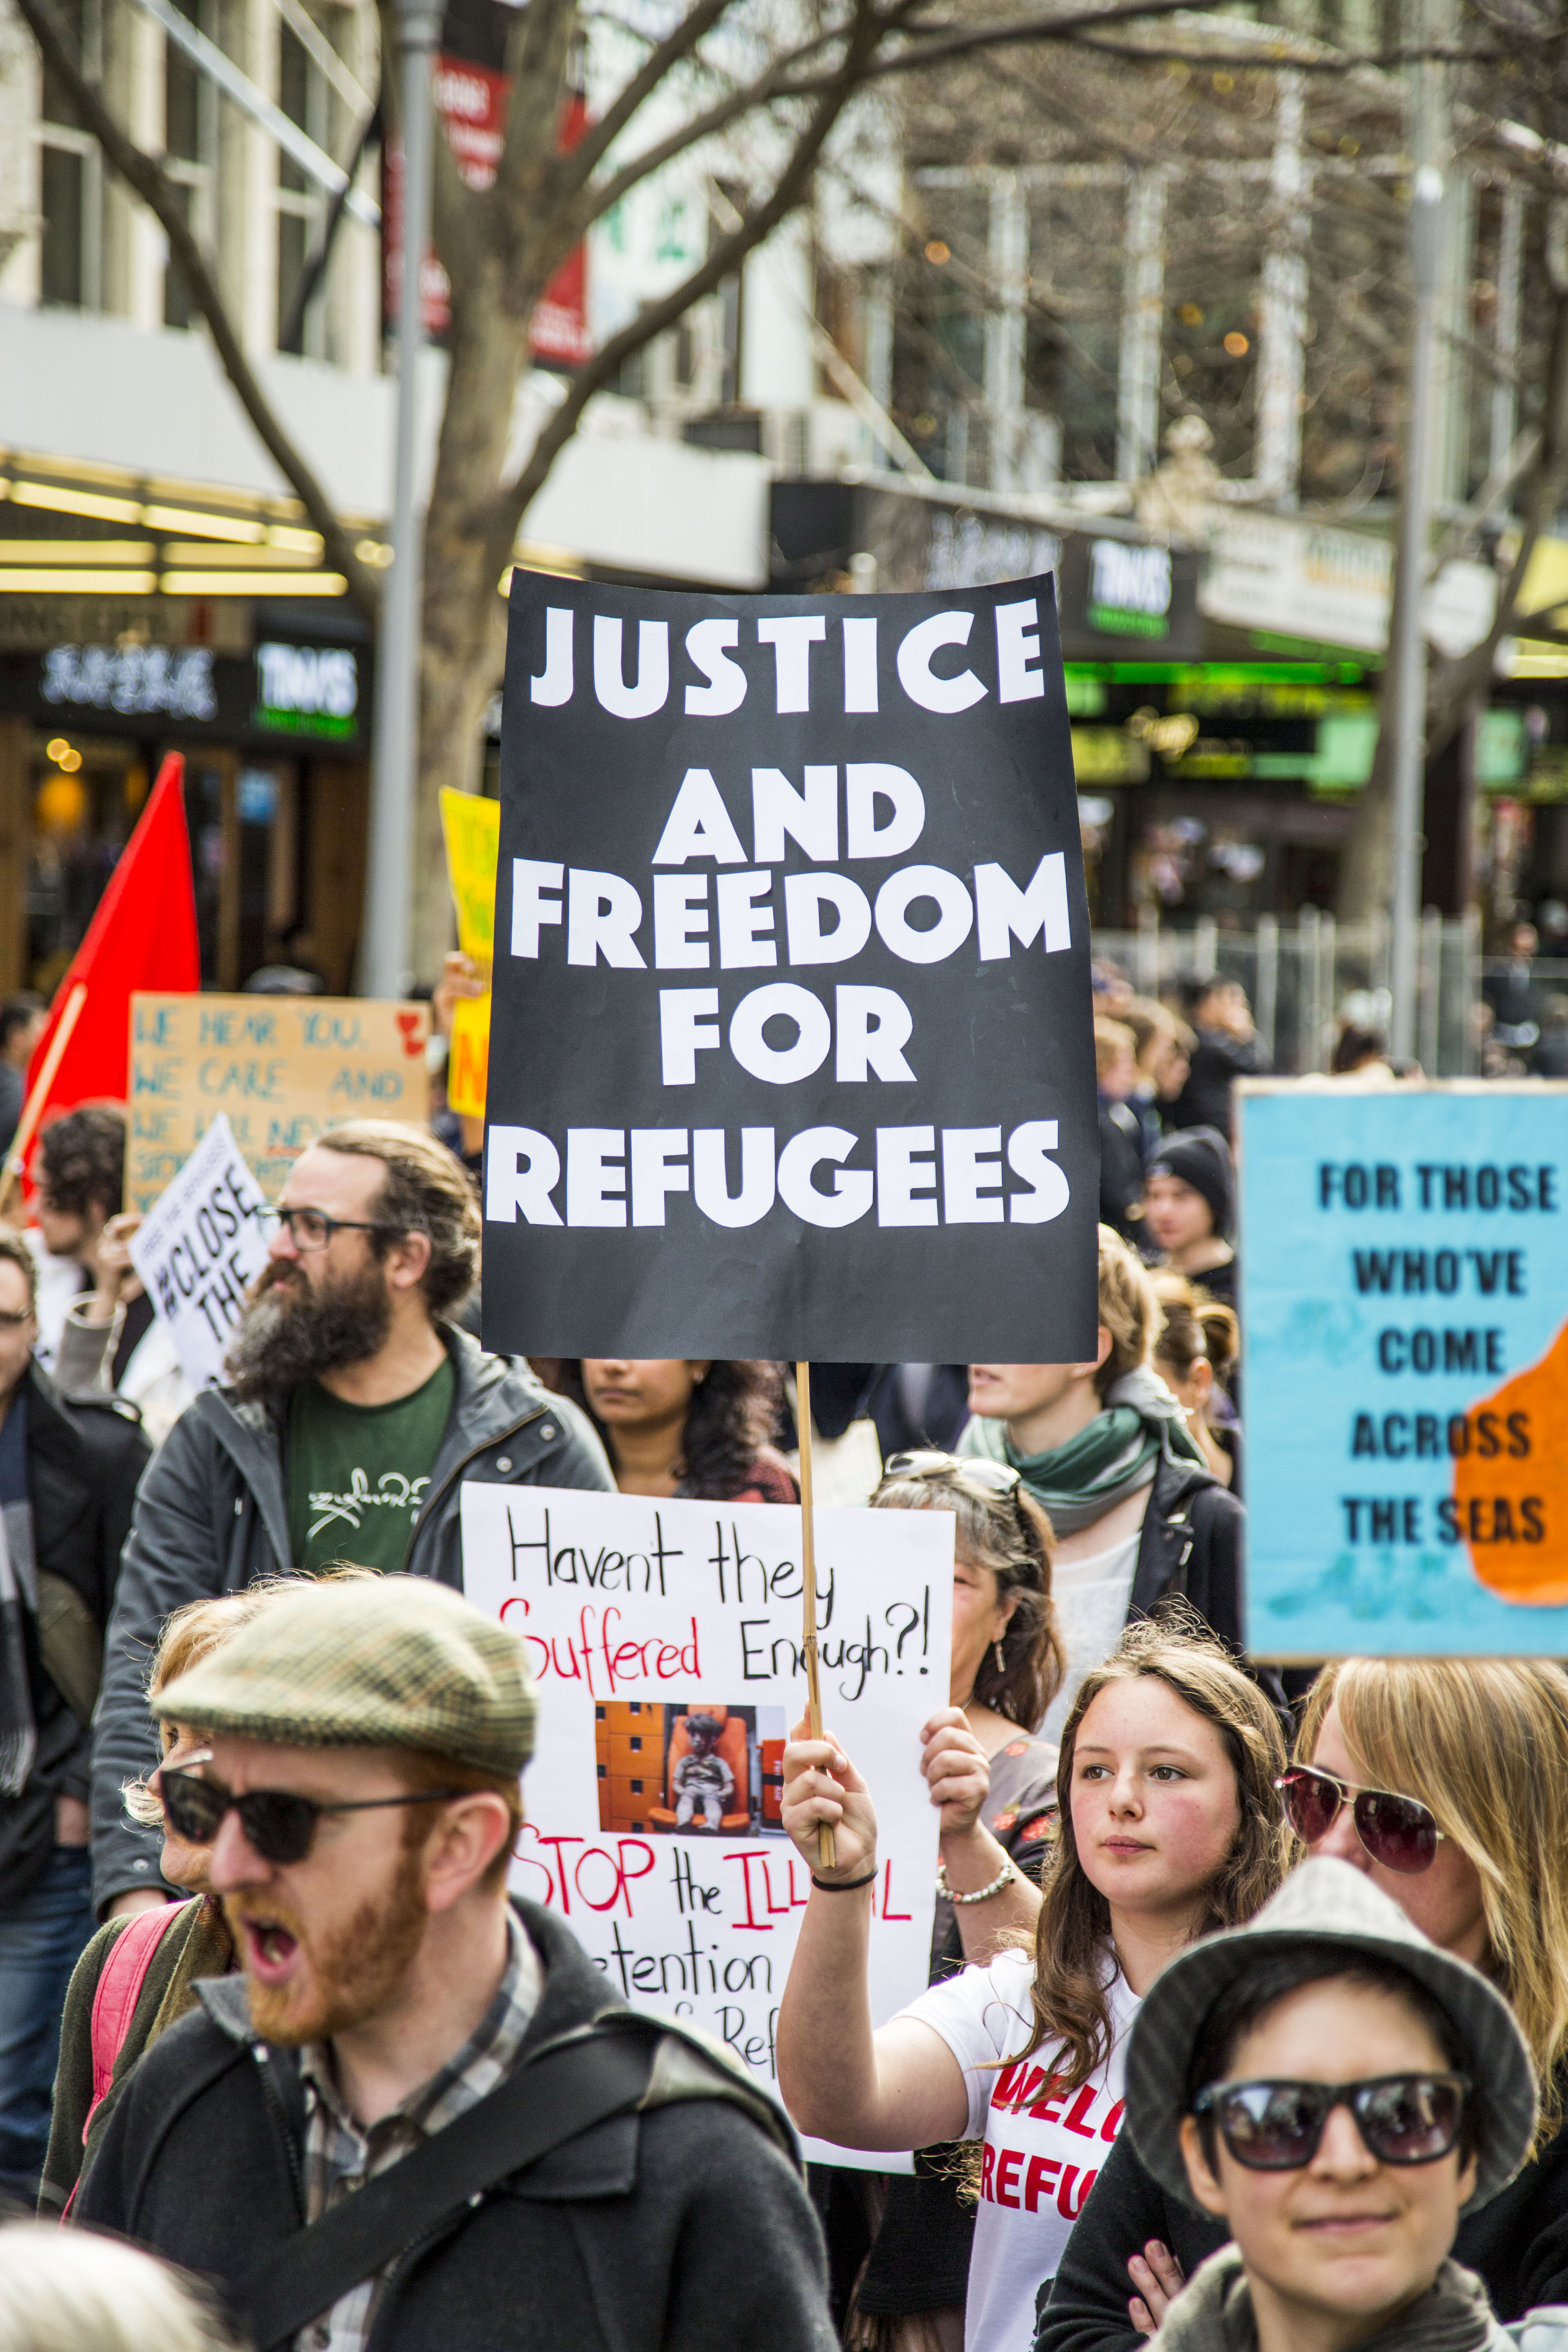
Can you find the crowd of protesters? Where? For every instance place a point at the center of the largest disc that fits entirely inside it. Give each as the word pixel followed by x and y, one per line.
pixel 1248 2015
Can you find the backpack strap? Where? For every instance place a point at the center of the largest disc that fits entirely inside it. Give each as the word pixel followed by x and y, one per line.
pixel 120 1983
pixel 565 2089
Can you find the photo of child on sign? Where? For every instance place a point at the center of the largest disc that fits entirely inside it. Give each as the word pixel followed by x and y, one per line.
pixel 689 1767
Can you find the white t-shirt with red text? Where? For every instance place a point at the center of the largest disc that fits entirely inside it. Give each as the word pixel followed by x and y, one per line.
pixel 1041 2151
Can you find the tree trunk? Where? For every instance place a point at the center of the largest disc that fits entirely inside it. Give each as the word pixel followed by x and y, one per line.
pixel 1367 870
pixel 462 636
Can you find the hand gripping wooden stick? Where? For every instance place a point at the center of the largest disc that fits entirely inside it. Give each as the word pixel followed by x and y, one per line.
pixel 826 1850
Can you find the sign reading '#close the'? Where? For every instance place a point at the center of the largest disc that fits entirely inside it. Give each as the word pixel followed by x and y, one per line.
pixel 203 1245
pixel 792 1050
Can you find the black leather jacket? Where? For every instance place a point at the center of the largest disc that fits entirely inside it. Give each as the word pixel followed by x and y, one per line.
pixel 85 1454
pixel 1191 1544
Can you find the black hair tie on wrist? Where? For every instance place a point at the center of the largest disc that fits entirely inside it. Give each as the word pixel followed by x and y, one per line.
pixel 841 1885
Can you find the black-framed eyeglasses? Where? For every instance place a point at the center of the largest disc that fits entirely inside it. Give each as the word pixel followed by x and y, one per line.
pixel 1399 1833
pixel 991 1479
pixel 279 1824
pixel 312 1229
pixel 1278 2127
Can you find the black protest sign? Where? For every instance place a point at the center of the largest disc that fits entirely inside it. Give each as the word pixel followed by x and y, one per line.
pixel 792 1052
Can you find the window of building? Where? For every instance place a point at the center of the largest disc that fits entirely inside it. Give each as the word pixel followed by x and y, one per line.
pixel 71 175
pixel 303 95
pixel 190 140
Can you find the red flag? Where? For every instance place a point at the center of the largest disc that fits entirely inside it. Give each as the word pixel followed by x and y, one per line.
pixel 142 936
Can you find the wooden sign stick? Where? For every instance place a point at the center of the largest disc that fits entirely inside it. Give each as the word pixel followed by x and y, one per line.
pixel 826 1849
pixel 33 1109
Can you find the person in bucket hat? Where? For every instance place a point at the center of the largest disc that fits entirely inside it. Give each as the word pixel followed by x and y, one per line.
pixel 1338 2091
pixel 418 2115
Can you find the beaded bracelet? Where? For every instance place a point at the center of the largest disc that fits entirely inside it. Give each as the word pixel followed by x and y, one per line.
pixel 1004 1877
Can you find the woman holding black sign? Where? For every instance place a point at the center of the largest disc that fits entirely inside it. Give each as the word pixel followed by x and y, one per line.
pixel 679 1425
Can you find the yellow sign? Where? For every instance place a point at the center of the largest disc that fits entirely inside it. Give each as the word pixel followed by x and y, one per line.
pixel 469 1055
pixel 472 827
pixel 282 1069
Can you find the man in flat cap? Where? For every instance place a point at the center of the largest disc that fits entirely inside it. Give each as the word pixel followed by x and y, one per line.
pixel 419 2116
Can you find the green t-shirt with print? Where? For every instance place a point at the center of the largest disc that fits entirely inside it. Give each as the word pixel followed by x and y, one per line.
pixel 357 1472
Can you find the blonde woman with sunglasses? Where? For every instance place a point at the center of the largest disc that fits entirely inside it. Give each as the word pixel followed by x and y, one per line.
pixel 1446 1782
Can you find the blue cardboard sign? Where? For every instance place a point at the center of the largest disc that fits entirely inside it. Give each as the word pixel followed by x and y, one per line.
pixel 1404 1299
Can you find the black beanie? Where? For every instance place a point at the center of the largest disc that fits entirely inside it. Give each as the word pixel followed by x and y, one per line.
pixel 1200 1157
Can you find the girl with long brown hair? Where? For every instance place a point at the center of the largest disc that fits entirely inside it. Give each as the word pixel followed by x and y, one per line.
pixel 1168 1829
pixel 900 2245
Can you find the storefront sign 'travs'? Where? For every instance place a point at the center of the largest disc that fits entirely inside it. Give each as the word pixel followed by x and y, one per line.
pixel 792 1051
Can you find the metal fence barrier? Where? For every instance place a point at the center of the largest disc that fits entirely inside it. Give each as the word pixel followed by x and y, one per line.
pixel 1303 978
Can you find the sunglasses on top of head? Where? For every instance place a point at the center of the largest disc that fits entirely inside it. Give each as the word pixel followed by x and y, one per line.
pixel 991 1480
pixel 278 1824
pixel 1399 1833
pixel 1278 2127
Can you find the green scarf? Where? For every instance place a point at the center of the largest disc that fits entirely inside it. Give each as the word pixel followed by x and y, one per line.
pixel 1115 1455
pixel 1214 2314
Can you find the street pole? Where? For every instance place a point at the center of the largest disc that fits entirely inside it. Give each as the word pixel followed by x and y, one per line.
pixel 1408 649
pixel 384 966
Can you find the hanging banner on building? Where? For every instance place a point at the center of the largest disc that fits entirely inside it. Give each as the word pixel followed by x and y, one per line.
pixel 1404 1269
pixel 664 1642
pixel 201 1246
pixel 472 94
pixel 793 1051
pixel 471 826
pixel 281 1069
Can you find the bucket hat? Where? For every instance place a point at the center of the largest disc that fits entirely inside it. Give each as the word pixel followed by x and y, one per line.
pixel 1328 1903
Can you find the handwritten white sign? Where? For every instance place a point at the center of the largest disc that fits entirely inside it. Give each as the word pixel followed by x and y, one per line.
pixel 202 1243
pixel 665 1642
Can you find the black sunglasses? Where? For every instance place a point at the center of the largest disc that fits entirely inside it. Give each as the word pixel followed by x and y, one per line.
pixel 279 1825
pixel 1398 1831
pixel 1277 2126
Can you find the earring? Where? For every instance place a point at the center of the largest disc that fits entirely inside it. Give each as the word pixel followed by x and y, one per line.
pixel 1001 1661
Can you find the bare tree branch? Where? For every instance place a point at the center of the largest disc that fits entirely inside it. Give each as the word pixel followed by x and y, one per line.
pixel 526 191
pixel 1256 61
pixel 671 51
pixel 512 501
pixel 147 177
pixel 1456 685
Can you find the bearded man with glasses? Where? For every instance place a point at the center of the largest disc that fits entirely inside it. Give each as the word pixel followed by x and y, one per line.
pixel 353 1409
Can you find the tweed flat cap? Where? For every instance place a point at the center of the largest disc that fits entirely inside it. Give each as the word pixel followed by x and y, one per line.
pixel 388 1661
pixel 1334 1906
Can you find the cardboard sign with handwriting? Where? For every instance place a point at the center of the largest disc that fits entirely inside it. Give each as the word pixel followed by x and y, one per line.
pixel 280 1069
pixel 665 1643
